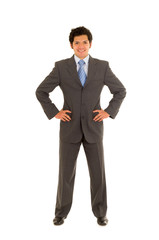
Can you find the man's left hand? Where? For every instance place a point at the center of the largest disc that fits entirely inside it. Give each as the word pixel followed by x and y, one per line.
pixel 101 115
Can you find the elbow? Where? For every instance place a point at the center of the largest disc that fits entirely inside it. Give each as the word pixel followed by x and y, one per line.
pixel 37 93
pixel 124 92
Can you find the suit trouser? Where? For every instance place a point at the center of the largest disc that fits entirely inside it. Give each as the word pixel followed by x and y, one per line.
pixel 68 153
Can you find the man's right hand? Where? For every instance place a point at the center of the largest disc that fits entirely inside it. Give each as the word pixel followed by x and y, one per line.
pixel 63 116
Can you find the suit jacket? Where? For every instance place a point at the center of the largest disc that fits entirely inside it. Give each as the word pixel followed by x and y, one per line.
pixel 81 101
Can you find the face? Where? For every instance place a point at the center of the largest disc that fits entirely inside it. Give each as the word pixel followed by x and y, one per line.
pixel 81 46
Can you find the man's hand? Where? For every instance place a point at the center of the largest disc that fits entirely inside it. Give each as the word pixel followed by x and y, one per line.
pixel 63 116
pixel 101 115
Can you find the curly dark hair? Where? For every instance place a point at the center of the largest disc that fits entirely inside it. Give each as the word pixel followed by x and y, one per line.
pixel 80 31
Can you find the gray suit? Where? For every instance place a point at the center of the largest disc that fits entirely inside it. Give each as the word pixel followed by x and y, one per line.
pixel 81 101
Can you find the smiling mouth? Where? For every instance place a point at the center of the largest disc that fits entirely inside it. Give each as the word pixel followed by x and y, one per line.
pixel 81 51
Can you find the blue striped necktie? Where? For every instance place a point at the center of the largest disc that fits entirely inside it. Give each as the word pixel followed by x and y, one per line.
pixel 81 72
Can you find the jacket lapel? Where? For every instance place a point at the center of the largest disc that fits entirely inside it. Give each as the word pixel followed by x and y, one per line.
pixel 91 70
pixel 73 70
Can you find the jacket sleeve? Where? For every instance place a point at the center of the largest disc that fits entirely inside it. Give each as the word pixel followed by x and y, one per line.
pixel 42 92
pixel 118 91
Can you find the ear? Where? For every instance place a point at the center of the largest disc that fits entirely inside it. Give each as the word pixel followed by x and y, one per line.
pixel 71 45
pixel 90 45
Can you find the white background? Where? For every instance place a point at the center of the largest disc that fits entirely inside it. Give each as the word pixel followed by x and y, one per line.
pixel 34 34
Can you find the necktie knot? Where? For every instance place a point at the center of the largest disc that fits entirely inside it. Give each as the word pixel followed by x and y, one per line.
pixel 81 63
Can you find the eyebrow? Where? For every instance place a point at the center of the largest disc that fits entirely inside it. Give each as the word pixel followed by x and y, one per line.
pixel 81 41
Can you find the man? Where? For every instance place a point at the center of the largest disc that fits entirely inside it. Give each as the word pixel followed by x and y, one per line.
pixel 81 79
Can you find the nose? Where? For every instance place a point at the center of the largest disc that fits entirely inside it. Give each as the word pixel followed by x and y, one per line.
pixel 81 45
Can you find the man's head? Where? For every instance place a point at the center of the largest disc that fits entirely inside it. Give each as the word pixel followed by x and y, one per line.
pixel 80 41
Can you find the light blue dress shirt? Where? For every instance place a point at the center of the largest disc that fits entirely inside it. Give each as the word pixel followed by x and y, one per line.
pixel 86 59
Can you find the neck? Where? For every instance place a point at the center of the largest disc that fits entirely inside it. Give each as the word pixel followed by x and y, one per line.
pixel 82 57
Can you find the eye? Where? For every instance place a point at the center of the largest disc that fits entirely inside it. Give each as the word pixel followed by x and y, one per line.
pixel 76 43
pixel 85 42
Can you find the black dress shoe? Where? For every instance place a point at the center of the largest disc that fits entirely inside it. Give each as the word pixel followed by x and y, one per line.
pixel 102 221
pixel 58 220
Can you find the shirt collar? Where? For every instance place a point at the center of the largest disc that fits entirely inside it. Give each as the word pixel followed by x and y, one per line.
pixel 77 59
